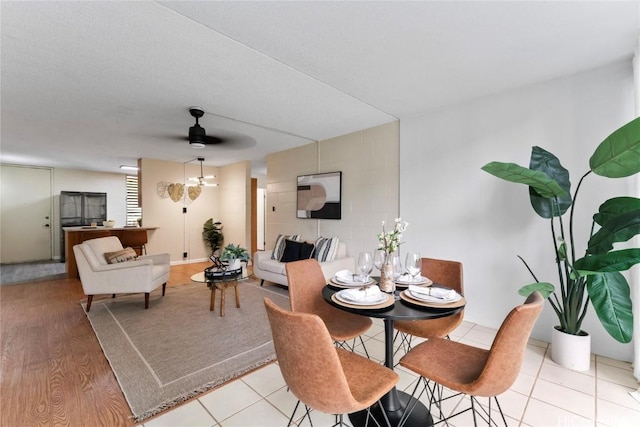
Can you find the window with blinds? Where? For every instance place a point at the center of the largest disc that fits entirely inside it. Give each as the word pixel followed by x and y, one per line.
pixel 133 210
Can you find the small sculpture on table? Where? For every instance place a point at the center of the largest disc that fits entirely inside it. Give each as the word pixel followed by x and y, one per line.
pixel 218 265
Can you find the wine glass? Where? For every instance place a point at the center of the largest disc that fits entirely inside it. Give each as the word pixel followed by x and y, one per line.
pixel 378 259
pixel 365 264
pixel 397 266
pixel 413 264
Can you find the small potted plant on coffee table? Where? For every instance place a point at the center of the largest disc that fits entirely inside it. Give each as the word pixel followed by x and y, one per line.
pixel 234 254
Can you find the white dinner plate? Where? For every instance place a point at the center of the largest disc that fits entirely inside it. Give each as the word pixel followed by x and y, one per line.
pixel 382 297
pixel 429 298
pixel 352 282
pixel 421 280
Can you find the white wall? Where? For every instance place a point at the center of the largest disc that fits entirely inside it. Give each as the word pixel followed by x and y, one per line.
pixel 456 211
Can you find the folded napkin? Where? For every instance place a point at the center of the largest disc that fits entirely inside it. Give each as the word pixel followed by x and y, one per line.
pixel 362 294
pixel 345 276
pixel 440 293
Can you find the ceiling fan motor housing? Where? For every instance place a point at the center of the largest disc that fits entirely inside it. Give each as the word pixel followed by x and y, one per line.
pixel 196 134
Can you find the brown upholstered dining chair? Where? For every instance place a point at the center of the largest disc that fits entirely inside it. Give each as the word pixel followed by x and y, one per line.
pixel 475 371
pixel 443 272
pixel 306 281
pixel 325 378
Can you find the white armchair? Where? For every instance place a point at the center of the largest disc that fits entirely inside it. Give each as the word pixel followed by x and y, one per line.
pixel 144 274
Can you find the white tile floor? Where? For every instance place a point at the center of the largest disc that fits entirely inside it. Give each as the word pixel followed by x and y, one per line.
pixel 544 394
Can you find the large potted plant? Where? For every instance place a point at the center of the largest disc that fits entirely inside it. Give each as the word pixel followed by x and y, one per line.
pixel 594 277
pixel 212 234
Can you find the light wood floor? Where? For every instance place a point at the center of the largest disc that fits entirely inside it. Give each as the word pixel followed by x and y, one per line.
pixel 52 369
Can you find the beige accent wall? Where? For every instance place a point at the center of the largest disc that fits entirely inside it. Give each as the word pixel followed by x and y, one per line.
pixel 177 232
pixel 283 169
pixel 235 203
pixel 369 162
pixel 229 203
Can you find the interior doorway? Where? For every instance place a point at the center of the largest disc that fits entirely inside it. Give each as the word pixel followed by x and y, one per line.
pixel 261 203
pixel 25 222
pixel 257 217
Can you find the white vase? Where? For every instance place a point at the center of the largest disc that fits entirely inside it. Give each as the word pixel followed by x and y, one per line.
pixel 571 351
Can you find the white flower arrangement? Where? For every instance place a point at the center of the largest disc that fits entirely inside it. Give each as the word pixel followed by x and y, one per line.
pixel 390 241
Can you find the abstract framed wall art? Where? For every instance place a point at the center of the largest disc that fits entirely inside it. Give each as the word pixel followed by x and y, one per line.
pixel 320 196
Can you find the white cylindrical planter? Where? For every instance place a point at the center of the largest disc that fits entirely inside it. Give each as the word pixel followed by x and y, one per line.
pixel 234 264
pixel 571 351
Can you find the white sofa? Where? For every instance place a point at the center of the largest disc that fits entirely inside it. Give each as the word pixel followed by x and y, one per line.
pixel 98 277
pixel 265 268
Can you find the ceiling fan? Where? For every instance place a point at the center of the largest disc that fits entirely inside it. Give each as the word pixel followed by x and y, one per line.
pixel 224 139
pixel 202 179
pixel 198 138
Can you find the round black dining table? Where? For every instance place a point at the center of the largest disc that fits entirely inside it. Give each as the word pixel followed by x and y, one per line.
pixel 395 403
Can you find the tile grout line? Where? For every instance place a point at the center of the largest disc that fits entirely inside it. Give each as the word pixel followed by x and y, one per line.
pixel 533 386
pixel 217 423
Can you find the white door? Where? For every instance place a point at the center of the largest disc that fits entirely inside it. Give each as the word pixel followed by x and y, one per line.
pixel 25 222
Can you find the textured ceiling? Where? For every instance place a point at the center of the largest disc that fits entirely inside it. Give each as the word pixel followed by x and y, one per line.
pixel 93 85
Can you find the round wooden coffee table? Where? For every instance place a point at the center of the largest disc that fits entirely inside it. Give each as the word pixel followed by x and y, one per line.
pixel 220 283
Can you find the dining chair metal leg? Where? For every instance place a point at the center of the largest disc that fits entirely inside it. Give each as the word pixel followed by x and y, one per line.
pixel 352 347
pixel 404 344
pixel 307 414
pixel 436 397
pixel 339 420
pixel 486 414
pixel 364 347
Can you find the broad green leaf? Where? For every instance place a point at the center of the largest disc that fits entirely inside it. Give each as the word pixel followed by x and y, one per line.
pixel 544 161
pixel 618 229
pixel 544 288
pixel 512 172
pixel 613 261
pixel 618 155
pixel 611 300
pixel 614 207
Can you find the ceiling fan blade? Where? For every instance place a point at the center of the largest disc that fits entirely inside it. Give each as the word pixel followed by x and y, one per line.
pixel 212 140
pixel 235 142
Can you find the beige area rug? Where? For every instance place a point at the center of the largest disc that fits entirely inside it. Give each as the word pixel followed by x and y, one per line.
pixel 178 348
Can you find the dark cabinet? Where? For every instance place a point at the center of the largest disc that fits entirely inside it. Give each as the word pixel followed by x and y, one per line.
pixel 79 208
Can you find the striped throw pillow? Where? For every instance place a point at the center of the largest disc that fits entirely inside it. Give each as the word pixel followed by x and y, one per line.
pixel 278 249
pixel 326 249
pixel 123 255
